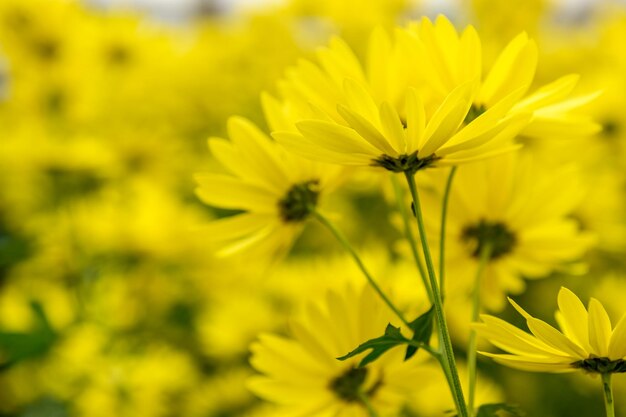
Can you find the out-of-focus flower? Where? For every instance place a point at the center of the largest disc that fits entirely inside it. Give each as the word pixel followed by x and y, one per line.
pixel 302 375
pixel 586 341
pixel 454 60
pixel 510 205
pixel 276 190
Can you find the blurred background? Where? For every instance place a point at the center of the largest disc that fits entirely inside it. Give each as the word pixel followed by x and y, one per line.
pixel 111 303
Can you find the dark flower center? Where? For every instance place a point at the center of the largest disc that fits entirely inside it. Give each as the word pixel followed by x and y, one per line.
pixel 299 201
pixel 404 163
pixel 495 234
pixel 601 365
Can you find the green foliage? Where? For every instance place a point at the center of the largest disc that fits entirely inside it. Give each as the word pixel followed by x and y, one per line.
pixel 21 346
pixel 422 329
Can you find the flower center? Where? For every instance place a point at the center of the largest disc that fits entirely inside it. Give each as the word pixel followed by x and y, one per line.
pixel 404 163
pixel 474 112
pixel 299 201
pixel 495 234
pixel 348 386
pixel 601 365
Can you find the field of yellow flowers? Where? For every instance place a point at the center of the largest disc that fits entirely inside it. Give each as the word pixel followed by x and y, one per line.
pixel 313 209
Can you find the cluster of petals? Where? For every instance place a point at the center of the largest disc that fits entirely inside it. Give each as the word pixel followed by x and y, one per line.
pixel 585 335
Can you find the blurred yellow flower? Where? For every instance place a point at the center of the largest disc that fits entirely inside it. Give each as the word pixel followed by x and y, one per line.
pixel 521 212
pixel 454 60
pixel 586 340
pixel 303 376
pixel 276 190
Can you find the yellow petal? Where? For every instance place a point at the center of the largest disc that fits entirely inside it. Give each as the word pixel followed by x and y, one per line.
pixel 554 338
pixel 392 127
pixel 530 364
pixel 574 317
pixel 510 338
pixel 231 193
pixel 471 55
pixel 335 138
pixel 599 328
pixel 519 309
pixel 415 120
pixel 257 150
pixel 237 226
pixel 306 148
pixel 447 119
pixel 548 94
pixel 514 68
pixel 365 129
pixel 617 345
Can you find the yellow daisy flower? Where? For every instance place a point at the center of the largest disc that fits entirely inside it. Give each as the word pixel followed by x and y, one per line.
pixel 302 375
pixel 520 211
pixel 587 341
pixel 275 190
pixel 379 114
pixel 511 75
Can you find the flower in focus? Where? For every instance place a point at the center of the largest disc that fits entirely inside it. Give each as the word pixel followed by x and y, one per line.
pixel 277 191
pixel 520 212
pixel 586 341
pixel 302 375
pixel 383 115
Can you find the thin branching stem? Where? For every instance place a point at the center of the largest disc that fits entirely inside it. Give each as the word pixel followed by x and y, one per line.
pixel 446 346
pixel 357 259
pixel 442 231
pixel 409 235
pixel 485 255
pixel 607 388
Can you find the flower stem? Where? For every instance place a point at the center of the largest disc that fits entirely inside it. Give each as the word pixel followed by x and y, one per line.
pixel 342 239
pixel 409 235
pixel 442 239
pixel 608 394
pixel 448 352
pixel 485 255
pixel 368 404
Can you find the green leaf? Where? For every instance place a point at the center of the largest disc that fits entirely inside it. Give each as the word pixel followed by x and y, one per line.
pixel 493 410
pixel 422 330
pixel 20 346
pixel 392 337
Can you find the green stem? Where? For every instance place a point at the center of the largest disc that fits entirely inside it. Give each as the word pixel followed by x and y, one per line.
pixel 368 404
pixel 342 239
pixel 448 352
pixel 485 255
pixel 608 394
pixel 442 240
pixel 409 235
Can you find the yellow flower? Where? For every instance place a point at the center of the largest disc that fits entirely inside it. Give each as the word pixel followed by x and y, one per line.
pixel 455 60
pixel 586 341
pixel 275 190
pixel 303 376
pixel 382 115
pixel 517 208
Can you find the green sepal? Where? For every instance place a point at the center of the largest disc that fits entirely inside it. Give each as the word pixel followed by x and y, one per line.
pixel 422 330
pixel 392 337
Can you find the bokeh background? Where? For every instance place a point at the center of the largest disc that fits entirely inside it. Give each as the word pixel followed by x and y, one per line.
pixel 111 301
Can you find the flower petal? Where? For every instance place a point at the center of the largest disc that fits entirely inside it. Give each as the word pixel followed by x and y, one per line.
pixel 554 338
pixel 599 328
pixel 617 345
pixel 574 317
